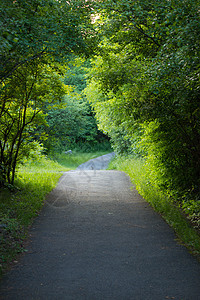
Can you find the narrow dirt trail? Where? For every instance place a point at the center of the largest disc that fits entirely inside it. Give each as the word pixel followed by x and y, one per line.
pixel 97 239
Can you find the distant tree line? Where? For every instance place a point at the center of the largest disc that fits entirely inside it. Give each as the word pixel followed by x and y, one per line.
pixel 72 124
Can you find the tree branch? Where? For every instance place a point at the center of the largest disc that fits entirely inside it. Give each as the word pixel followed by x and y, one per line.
pixel 17 65
pixel 146 35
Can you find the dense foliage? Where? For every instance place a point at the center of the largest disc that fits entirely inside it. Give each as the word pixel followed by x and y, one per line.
pixel 71 125
pixel 35 38
pixel 32 28
pixel 144 87
pixel 144 84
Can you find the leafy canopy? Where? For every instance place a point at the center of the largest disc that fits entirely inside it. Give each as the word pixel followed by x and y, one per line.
pixel 147 79
pixel 33 28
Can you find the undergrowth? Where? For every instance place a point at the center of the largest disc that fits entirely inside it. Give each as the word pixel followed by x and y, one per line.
pixel 173 214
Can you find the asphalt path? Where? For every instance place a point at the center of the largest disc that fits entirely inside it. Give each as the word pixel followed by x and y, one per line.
pixel 99 163
pixel 97 239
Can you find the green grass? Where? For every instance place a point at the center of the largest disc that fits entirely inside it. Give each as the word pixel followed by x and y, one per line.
pixel 75 159
pixel 19 205
pixel 164 205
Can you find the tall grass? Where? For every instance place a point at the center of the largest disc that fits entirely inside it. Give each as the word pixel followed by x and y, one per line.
pixel 163 204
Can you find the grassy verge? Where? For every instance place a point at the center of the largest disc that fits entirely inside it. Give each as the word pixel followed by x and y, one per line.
pixel 187 235
pixel 19 205
pixel 75 159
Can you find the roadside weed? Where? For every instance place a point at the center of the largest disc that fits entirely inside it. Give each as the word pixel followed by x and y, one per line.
pixel 163 204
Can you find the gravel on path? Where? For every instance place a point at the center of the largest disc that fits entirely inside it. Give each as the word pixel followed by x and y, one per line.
pixel 97 239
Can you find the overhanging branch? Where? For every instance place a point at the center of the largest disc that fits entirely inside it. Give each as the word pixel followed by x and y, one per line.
pixel 17 65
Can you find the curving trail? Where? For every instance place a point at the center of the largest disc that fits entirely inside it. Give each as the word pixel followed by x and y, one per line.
pixel 97 239
pixel 99 163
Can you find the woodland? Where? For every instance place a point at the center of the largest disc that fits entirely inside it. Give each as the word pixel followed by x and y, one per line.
pixel 81 74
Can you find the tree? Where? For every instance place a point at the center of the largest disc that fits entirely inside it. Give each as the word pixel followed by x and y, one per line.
pixel 36 37
pixel 148 71
pixel 34 28
pixel 72 124
pixel 21 109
